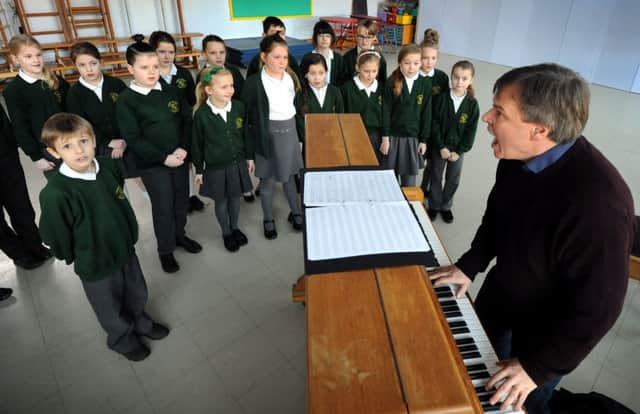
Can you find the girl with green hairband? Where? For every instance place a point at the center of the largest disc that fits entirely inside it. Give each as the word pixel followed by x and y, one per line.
pixel 218 151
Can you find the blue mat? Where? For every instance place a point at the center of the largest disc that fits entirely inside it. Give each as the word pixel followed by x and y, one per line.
pixel 241 51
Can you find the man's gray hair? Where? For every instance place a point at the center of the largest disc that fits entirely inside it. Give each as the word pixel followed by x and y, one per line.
pixel 551 95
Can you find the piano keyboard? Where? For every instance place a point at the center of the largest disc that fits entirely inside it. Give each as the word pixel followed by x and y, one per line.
pixel 473 344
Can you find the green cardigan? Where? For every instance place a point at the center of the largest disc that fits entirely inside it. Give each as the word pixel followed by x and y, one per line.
pixel 369 107
pixel 8 144
pixel 407 115
pixel 183 81
pixel 89 223
pixel 30 105
pixel 257 134
pixel 216 143
pixel 350 66
pixel 440 82
pixel 154 125
pixel 455 130
pixel 100 114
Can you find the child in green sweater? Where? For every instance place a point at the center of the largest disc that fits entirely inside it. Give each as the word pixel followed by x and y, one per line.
pixel 366 33
pixel 155 120
pixel 87 220
pixel 323 40
pixel 32 97
pixel 218 151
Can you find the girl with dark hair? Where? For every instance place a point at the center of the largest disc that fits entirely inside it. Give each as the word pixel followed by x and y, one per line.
pixel 323 40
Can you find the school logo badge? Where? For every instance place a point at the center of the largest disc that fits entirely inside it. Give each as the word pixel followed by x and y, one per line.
pixel 181 83
pixel 114 96
pixel 239 122
pixel 435 90
pixel 419 99
pixel 464 118
pixel 120 193
pixel 58 96
pixel 380 100
pixel 174 106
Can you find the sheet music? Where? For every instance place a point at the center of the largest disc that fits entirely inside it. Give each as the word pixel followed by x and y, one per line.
pixel 349 230
pixel 355 186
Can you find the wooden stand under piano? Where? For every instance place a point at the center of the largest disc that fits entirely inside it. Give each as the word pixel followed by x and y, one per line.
pixel 383 340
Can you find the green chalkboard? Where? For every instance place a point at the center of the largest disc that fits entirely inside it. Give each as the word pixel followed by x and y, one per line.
pixel 258 9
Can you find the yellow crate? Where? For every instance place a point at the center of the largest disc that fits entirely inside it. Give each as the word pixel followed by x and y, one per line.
pixel 404 19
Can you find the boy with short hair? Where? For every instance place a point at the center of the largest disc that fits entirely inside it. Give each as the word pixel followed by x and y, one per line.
pixel 272 25
pixel 366 34
pixel 87 220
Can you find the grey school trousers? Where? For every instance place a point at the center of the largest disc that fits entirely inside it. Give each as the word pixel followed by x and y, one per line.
pixel 441 198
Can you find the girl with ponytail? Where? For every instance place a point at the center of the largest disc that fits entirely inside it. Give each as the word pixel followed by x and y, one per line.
pixel 32 97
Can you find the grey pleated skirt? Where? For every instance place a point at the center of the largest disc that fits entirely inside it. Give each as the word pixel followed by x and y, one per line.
pixel 286 158
pixel 226 182
pixel 403 156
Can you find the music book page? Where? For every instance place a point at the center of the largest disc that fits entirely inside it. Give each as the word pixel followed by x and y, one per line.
pixel 358 213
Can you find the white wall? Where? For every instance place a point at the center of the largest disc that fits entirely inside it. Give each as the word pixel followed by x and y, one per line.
pixel 205 16
pixel 597 38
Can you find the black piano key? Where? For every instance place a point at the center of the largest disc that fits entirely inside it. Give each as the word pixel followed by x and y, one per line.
pixel 471 355
pixel 484 398
pixel 450 308
pixel 480 389
pixel 448 303
pixel 479 375
pixel 444 294
pixel 476 367
pixel 489 408
pixel 458 331
pixel 464 341
pixel 457 324
pixel 453 314
pixel 442 289
pixel 467 348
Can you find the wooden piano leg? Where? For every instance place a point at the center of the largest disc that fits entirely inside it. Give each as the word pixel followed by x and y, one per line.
pixel 298 291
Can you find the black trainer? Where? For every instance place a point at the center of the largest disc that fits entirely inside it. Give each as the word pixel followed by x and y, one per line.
pixel 29 262
pixel 158 331
pixel 5 293
pixel 249 198
pixel 138 354
pixel 195 204
pixel 270 231
pixel 240 237
pixel 230 243
pixel 189 245
pixel 432 214
pixel 168 263
pixel 447 216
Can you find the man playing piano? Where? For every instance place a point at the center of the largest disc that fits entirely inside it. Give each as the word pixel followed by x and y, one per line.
pixel 560 222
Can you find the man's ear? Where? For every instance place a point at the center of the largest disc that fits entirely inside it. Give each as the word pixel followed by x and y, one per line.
pixel 53 153
pixel 540 132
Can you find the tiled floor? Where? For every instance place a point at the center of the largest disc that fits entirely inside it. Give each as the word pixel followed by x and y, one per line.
pixel 238 343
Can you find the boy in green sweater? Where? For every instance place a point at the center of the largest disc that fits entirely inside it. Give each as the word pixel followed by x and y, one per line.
pixel 87 220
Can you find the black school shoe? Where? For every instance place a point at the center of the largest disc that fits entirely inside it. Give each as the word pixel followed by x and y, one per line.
pixel 296 221
pixel 447 216
pixel 29 262
pixel 249 198
pixel 270 231
pixel 138 354
pixel 240 237
pixel 158 331
pixel 189 245
pixel 168 263
pixel 230 243
pixel 195 204
pixel 5 293
pixel 432 214
pixel 43 253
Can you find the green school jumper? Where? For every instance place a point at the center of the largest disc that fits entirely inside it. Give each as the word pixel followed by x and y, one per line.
pixel 154 125
pixel 217 143
pixel 455 130
pixel 332 104
pixel 89 223
pixel 238 79
pixel 30 105
pixel 369 107
pixel 350 60
pixel 100 114
pixel 407 115
pixel 183 81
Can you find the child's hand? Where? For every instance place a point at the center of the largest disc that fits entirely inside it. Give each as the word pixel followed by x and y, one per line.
pixel 198 179
pixel 454 157
pixel 251 166
pixel 117 153
pixel 180 153
pixel 445 154
pixel 173 161
pixel 120 144
pixel 384 147
pixel 44 165
pixel 422 148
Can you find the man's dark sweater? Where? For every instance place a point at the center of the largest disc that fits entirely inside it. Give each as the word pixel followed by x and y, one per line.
pixel 562 239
